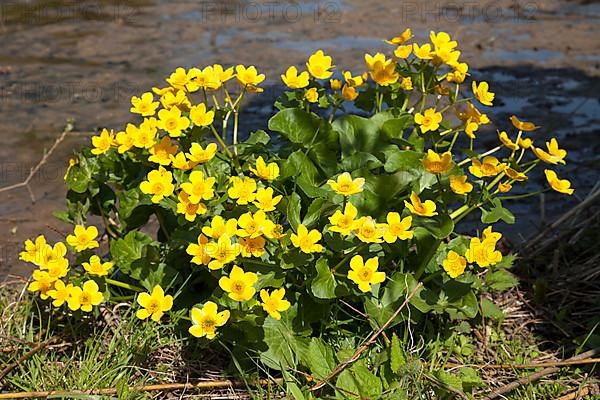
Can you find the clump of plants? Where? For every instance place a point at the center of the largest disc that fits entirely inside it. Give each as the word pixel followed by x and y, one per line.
pixel 293 244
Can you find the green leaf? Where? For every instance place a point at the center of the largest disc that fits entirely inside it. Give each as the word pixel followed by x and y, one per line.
pixel 360 160
pixel 397 359
pixel 296 125
pixel 320 358
pixel 440 226
pixel 358 379
pixel 496 213
pixel 293 210
pixel 128 249
pixel 501 280
pixel 359 134
pixel 323 286
pixel 394 128
pixel 283 343
pixel 491 310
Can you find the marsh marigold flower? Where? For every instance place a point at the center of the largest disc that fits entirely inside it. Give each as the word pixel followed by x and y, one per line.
pixel 95 266
pixel 178 79
pixel 406 83
pixel 83 238
pixel 162 151
pixel 293 80
pixel 458 73
pixel 489 166
pixel 179 161
pixel 198 251
pixel 222 252
pixel 319 65
pixel 252 247
pixel 265 171
pixel 42 282
pixel 154 304
pixel 189 210
pixel 504 187
pixel 365 274
pixel 200 116
pixel 403 51
pixel 254 225
pixel 307 240
pixel 33 250
pixel 274 303
pixel 397 228
pixel 312 95
pixel 344 223
pixel 249 78
pixel 243 191
pixel 523 125
pixel 403 37
pixel 459 184
pixel 371 60
pixel 503 136
pixel 265 201
pixel 423 52
pixel 335 84
pixel 515 175
pixel 205 321
pixel 126 139
pixel 158 183
pixel 200 155
pixel 144 105
pixel 437 163
pixel 482 93
pixel 368 230
pixel 384 73
pixel 417 207
pixel 345 185
pixel 59 293
pixel 554 155
pixel 144 137
pixel 103 142
pixel 429 120
pixel 239 285
pixel 349 93
pixel 199 188
pixel 560 185
pixel 178 99
pixel 218 227
pixel 172 121
pixel 84 297
pixel 454 264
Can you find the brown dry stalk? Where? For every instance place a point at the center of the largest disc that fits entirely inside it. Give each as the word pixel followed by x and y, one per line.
pixel 340 367
pixel 546 364
pixel 30 353
pixel 43 161
pixel 225 384
pixel 534 377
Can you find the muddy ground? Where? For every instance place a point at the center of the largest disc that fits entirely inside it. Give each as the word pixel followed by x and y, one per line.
pixel 64 59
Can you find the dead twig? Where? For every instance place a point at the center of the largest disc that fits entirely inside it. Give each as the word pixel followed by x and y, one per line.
pixel 30 353
pixel 340 367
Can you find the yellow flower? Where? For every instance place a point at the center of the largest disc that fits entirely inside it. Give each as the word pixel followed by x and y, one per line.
pixel 403 37
pixel 50 257
pixel 515 175
pixel 454 264
pixel 249 78
pixel 199 188
pixel 96 267
pixel 458 74
pixel 206 79
pixel 335 84
pixel 84 297
pixel 59 293
pixel 489 234
pixel 83 238
pixel 218 227
pixel 200 155
pixel 198 251
pixel 371 60
pixel 159 184
pixel 560 185
pixel 178 99
pixel 523 125
pixel 349 93
pixel 42 282
pixel 154 304
pixel 162 151
pixel 265 201
pixel 353 81
pixel 441 39
pixel 482 93
pixel 459 184
pixel 406 83
pixel 179 161
pixel 265 171
pixel 144 137
pixel 397 228
pixel 365 274
pixel 483 253
pixel 345 185
pixel 437 163
pixel 554 155
pixel 33 251
pixel 72 163
pixel 126 140
pixel 429 120
pixel 163 91
pixel 311 95
pixel 223 252
pixel 384 73
pixel 239 285
pixel 424 209
pixel 471 127
pixel 172 121
pixel 188 209
pixel 254 225
pixel 242 190
pixel 423 52
pixel 319 65
pixel 144 105
pixel 504 187
pixel 178 79
pixel 222 74
pixel 103 142
pixel 205 321
pixel 252 246
pixel 369 231
pixel 274 303
pixel 524 143
pixel 344 223
pixel 200 116
pixel 507 142
pixel 58 268
pixel 489 167
pixel 403 51
pixel 293 80
pixel 307 241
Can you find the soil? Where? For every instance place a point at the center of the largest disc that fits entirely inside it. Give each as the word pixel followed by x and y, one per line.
pixel 63 59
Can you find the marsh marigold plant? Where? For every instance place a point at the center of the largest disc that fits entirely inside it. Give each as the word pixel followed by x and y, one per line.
pixel 248 242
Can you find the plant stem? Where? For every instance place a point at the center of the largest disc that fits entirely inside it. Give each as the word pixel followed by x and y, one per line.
pixel 221 142
pixel 123 285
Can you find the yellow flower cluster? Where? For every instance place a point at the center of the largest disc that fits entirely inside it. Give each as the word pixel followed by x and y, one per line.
pixel 482 251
